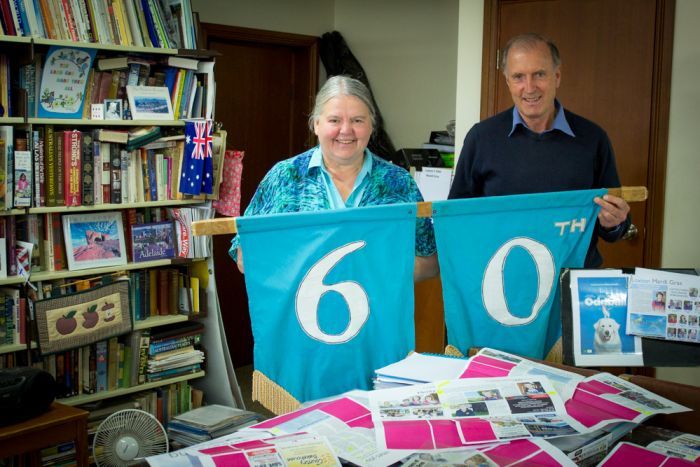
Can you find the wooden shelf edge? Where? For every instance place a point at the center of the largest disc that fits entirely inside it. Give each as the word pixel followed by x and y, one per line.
pixel 155 321
pixel 86 398
pixel 86 122
pixel 53 275
pixel 109 206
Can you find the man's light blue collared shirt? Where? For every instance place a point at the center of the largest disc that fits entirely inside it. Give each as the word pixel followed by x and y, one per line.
pixel 559 123
pixel 358 189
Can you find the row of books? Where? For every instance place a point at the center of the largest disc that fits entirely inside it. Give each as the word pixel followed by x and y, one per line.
pixel 120 361
pixel 5 86
pixel 189 82
pixel 145 23
pixel 50 167
pixel 39 239
pixel 13 316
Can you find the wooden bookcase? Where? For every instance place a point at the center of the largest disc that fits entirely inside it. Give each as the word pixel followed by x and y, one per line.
pixel 218 382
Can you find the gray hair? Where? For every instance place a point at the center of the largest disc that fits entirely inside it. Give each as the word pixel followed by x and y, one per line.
pixel 529 41
pixel 341 85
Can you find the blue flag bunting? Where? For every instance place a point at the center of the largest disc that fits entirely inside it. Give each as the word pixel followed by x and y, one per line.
pixel 500 259
pixel 330 294
pixel 197 165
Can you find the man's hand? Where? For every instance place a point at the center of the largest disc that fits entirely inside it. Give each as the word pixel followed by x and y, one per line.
pixel 613 211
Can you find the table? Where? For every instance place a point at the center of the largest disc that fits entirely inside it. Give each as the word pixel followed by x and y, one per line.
pixel 62 423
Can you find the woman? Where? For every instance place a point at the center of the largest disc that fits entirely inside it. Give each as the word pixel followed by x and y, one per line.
pixel 341 172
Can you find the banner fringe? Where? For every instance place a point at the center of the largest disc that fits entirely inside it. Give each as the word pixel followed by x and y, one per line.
pixel 452 351
pixel 556 353
pixel 272 396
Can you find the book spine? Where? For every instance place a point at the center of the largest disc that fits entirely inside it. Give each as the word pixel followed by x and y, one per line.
pixel 97 177
pixel 23 179
pixel 50 166
pixel 70 20
pixel 72 162
pixel 105 153
pixel 101 366
pixel 115 174
pixel 88 185
pixel 59 169
pixel 59 253
pixel 10 238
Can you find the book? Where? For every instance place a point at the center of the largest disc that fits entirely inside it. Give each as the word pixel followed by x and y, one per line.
pixel 63 82
pixel 73 170
pixel 23 179
pixel 111 136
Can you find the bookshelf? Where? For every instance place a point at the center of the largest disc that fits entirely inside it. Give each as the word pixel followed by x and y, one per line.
pixel 217 379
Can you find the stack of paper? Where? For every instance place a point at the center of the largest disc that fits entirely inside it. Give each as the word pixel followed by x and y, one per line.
pixel 419 368
pixel 209 422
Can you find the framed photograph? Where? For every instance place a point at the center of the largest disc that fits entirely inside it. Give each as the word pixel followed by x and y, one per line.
pixel 152 241
pixel 599 314
pixel 94 240
pixel 149 103
pixel 73 320
pixel 113 109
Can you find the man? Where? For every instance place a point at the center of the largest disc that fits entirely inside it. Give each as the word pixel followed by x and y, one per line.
pixel 538 146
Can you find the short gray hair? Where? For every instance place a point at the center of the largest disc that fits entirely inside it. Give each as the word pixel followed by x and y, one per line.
pixel 529 41
pixel 342 85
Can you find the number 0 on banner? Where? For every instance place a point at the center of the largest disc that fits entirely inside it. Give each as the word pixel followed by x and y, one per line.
pixel 493 290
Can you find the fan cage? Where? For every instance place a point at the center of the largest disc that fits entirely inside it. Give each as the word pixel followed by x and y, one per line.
pixel 145 429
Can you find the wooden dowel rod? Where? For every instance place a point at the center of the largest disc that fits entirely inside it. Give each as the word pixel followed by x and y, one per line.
pixel 631 194
pixel 220 226
pixel 227 225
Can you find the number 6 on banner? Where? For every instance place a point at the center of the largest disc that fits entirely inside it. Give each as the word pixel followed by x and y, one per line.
pixel 312 289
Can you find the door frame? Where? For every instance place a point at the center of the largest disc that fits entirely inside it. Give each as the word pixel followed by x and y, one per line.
pixel 660 98
pixel 307 48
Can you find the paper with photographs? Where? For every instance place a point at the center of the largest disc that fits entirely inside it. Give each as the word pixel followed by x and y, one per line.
pixel 489 363
pixel 298 450
pixel 345 422
pixel 602 399
pixel 664 305
pixel 625 454
pixel 469 411
pixel 599 316
pixel 519 452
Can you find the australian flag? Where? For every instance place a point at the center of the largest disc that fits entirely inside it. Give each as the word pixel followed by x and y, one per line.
pixel 197 166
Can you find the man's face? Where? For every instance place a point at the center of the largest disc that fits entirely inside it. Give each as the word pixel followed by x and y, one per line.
pixel 532 81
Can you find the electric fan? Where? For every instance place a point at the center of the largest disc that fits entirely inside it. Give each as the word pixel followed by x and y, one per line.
pixel 127 436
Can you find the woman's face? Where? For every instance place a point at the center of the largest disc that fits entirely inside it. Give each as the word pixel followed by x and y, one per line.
pixel 343 130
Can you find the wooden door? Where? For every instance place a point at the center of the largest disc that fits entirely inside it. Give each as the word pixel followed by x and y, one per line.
pixel 616 67
pixel 266 83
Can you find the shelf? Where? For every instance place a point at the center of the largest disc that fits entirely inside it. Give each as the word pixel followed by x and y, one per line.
pixel 12 280
pixel 12 212
pixel 155 321
pixel 16 39
pixel 9 348
pixel 53 275
pixel 109 207
pixel 85 122
pixel 11 120
pixel 100 46
pixel 85 398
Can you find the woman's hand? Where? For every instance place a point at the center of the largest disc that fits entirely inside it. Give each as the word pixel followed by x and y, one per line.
pixel 239 260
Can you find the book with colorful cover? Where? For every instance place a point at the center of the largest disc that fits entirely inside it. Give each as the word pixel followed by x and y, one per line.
pixel 63 82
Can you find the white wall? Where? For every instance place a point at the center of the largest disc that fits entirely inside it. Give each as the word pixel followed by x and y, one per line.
pixel 681 221
pixel 310 17
pixel 408 49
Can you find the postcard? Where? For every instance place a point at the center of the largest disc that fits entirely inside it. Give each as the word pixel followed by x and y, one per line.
pixel 94 240
pixel 599 315
pixel 149 103
pixel 153 241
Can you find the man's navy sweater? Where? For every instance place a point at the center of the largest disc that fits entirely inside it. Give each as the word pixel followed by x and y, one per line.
pixel 492 164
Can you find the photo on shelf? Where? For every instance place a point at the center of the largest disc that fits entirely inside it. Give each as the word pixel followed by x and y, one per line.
pixel 94 240
pixel 81 318
pixel 149 102
pixel 113 109
pixel 152 241
pixel 63 82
